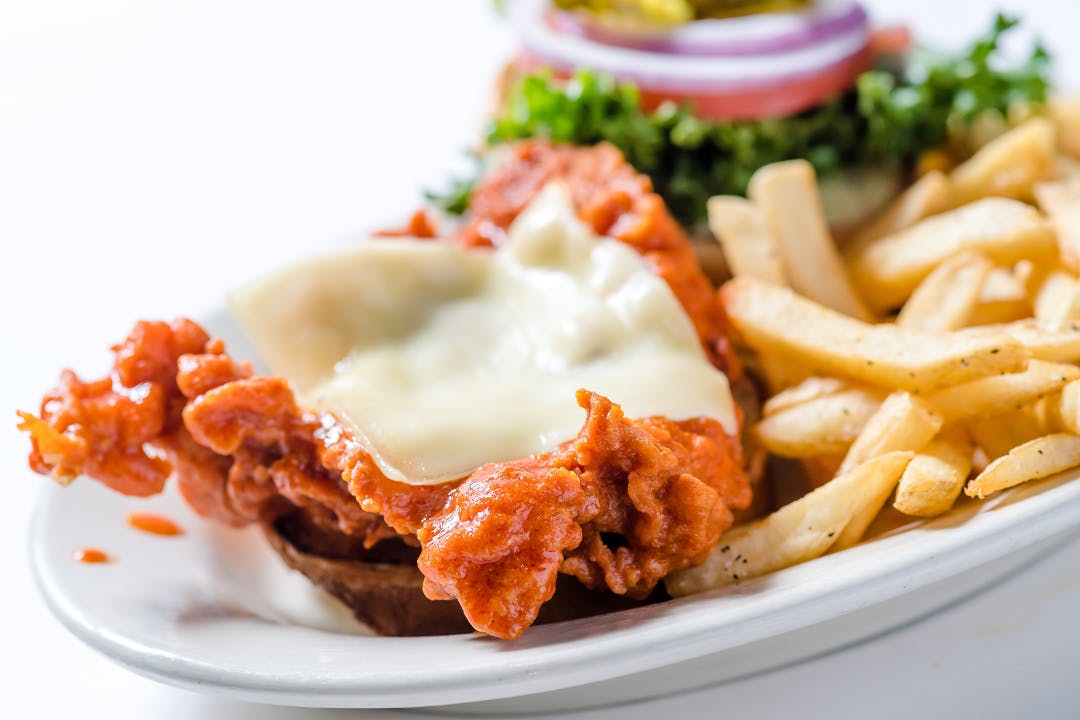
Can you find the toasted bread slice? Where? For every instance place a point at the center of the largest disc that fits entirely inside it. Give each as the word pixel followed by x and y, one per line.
pixel 382 586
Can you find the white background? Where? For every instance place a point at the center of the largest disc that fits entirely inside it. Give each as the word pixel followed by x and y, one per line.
pixel 152 155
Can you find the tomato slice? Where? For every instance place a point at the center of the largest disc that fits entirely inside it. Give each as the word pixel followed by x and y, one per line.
pixel 780 99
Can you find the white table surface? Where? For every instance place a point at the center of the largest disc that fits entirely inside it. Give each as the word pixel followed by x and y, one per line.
pixel 152 154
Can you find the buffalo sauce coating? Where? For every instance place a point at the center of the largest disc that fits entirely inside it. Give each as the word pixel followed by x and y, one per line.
pixel 239 447
pixel 419 226
pixel 99 428
pixel 496 541
pixel 154 524
pixel 90 556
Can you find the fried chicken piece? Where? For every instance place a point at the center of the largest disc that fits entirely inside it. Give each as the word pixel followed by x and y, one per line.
pixel 663 489
pixel 620 506
pixel 175 403
pixel 101 428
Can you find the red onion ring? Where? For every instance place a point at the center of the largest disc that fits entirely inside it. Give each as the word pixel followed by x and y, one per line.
pixel 688 74
pixel 749 35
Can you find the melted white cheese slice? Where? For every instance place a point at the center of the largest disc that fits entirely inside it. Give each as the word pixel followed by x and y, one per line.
pixel 443 359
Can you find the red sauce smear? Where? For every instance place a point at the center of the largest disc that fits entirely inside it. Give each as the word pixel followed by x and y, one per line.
pixel 90 556
pixel 154 524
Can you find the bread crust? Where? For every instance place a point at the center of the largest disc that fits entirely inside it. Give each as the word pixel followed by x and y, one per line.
pixel 383 588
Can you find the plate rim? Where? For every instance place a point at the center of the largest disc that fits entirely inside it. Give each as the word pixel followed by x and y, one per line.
pixel 620 653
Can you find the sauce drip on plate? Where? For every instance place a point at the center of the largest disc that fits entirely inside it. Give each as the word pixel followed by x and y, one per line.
pixel 154 524
pixel 90 556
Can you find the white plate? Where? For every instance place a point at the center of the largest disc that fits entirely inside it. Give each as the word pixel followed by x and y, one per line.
pixel 215 610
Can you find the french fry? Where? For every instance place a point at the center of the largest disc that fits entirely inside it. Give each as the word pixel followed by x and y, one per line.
pixel 1026 275
pixel 749 247
pixel 934 478
pixel 1003 285
pixel 1067 168
pixel 790 203
pixel 775 320
pixel 818 469
pixel 1061 202
pixel 1005 296
pixel 823 425
pixel 1065 114
pixel 1047 412
pixel 1042 457
pixel 929 195
pixel 1068 409
pixel 1009 165
pixel 902 423
pixel 1006 231
pixel 998 312
pixel 781 373
pixel 795 533
pixel 979 372
pixel 999 434
pixel 1062 345
pixel 812 388
pixel 1000 393
pixel 945 299
pixel 1056 301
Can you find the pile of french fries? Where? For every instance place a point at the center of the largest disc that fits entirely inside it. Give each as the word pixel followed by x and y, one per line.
pixel 937 353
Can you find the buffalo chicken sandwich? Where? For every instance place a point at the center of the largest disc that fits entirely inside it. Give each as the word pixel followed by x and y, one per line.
pixel 451 422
